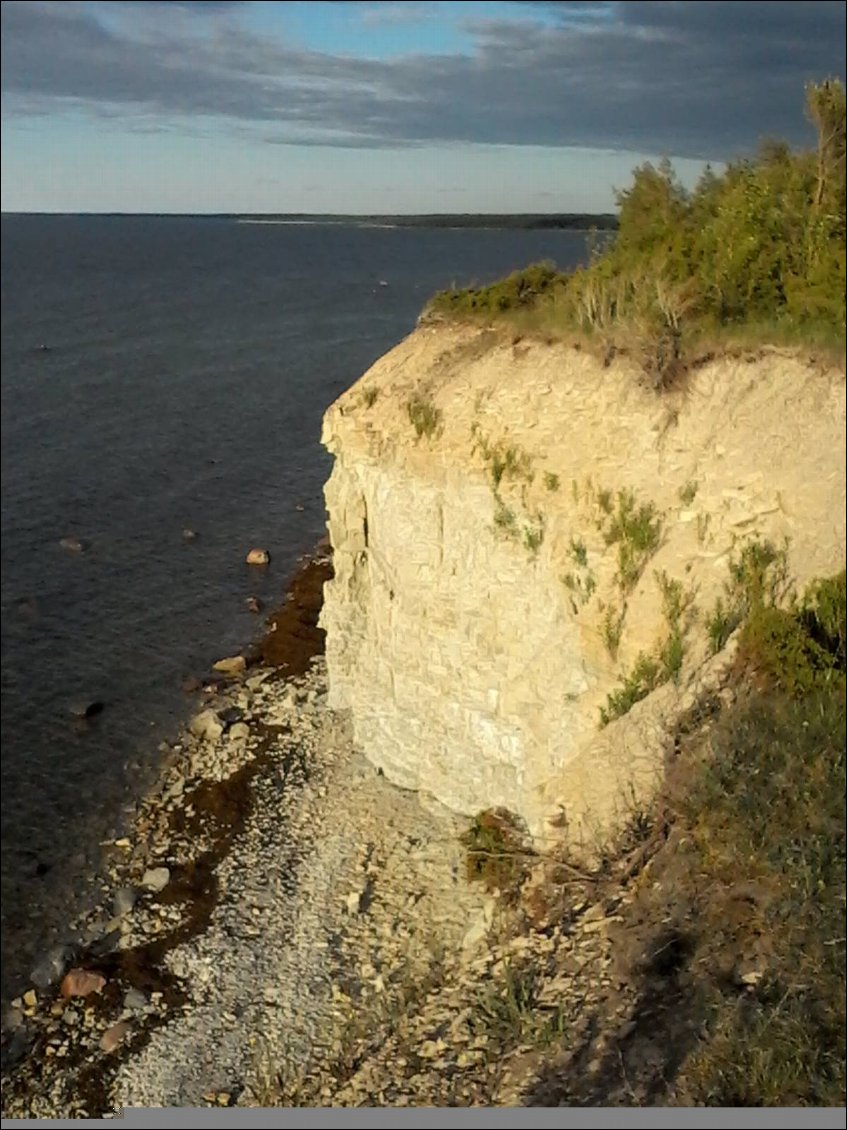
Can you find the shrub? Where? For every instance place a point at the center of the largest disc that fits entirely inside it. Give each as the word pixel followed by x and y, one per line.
pixel 637 531
pixel 497 852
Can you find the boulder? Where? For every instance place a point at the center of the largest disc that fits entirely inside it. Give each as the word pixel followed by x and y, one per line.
pixel 82 983
pixel 155 879
pixel 206 725
pixel 258 557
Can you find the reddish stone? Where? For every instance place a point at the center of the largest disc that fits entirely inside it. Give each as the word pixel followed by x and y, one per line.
pixel 82 982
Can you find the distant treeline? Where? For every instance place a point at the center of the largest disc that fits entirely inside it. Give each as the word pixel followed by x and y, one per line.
pixel 573 221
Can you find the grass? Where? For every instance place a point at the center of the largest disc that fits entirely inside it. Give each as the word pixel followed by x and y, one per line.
pixel 425 417
pixel 508 1010
pixel 551 481
pixel 505 460
pixel 644 677
pixel 612 628
pixel 505 519
pixel 369 396
pixel 533 535
pixel 636 529
pixel 688 493
pixel 766 815
pixel 497 851
pixel 579 553
pixel 665 663
pixel 758 577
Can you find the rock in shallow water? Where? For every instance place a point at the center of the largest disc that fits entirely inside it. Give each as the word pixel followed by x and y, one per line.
pixel 232 665
pixel 258 557
pixel 87 709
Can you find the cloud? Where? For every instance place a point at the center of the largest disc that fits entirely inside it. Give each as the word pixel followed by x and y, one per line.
pixel 694 79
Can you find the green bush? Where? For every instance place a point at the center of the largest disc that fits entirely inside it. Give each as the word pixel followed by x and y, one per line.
pixel 760 246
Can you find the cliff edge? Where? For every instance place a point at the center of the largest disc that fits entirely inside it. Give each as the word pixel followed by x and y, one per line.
pixel 525 540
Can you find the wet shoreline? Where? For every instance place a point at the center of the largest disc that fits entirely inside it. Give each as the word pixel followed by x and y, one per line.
pixel 214 809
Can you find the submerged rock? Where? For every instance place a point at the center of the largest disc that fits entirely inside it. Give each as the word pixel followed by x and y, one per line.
pixel 88 709
pixel 72 545
pixel 258 557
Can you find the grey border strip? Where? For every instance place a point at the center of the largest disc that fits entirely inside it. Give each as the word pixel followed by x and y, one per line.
pixel 648 1117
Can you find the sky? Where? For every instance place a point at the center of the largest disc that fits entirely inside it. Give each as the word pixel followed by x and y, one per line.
pixel 392 107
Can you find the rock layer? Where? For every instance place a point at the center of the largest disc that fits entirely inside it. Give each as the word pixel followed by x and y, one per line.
pixel 479 586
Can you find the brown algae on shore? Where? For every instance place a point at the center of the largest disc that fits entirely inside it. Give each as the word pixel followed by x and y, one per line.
pixel 213 812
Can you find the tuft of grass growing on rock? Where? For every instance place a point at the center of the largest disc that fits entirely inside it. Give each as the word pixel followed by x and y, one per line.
pixel 758 578
pixel 424 415
pixel 505 519
pixel 612 628
pixel 665 664
pixel 688 493
pixel 369 396
pixel 644 677
pixel 551 481
pixel 497 851
pixel 509 1009
pixel 636 529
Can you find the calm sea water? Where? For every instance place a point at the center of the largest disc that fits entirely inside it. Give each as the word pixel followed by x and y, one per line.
pixel 189 363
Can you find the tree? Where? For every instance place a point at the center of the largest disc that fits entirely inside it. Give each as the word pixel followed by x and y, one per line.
pixel 825 106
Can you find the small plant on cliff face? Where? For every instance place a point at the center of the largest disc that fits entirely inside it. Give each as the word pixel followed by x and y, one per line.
pixel 612 628
pixel 644 677
pixel 425 417
pixel 533 534
pixel 505 460
pixel 497 851
pixel 578 552
pixel 551 481
pixel 504 519
pixel 665 664
pixel 369 396
pixel 637 532
pixel 758 577
pixel 688 493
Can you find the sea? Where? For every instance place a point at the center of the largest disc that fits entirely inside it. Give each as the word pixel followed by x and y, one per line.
pixel 162 375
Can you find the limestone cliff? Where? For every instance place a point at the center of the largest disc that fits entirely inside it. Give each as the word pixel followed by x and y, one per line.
pixel 505 519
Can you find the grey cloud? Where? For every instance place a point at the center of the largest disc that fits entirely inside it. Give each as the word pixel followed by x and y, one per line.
pixel 692 79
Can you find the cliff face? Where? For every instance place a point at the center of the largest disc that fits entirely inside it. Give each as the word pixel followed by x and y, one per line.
pixel 508 522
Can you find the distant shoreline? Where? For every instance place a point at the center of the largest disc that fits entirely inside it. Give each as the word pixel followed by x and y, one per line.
pixel 479 221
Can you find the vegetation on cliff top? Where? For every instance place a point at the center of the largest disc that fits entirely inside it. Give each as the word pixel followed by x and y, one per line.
pixel 756 254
